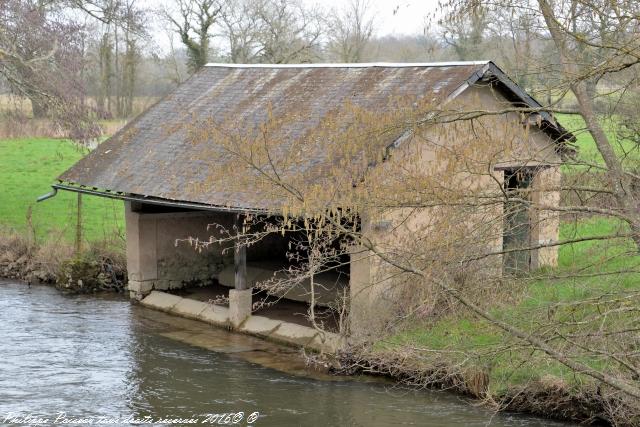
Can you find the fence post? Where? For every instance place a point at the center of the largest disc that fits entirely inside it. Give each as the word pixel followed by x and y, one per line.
pixel 78 247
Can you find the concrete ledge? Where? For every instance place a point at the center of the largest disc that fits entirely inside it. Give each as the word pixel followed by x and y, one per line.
pixel 291 333
pixel 189 308
pixel 295 334
pixel 161 301
pixel 215 315
pixel 260 326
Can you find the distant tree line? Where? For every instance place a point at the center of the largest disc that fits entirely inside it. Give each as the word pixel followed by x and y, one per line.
pixel 78 61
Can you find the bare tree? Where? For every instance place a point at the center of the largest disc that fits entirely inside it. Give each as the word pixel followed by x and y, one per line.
pixel 289 32
pixel 350 31
pixel 133 29
pixel 466 32
pixel 593 42
pixel 105 14
pixel 194 22
pixel 177 74
pixel 241 28
pixel 512 38
pixel 268 31
pixel 41 57
pixel 587 55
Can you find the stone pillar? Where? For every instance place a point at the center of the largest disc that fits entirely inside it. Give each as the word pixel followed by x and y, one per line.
pixel 370 290
pixel 240 302
pixel 240 298
pixel 142 259
pixel 359 290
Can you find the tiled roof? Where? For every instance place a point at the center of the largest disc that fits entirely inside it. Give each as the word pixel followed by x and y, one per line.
pixel 152 156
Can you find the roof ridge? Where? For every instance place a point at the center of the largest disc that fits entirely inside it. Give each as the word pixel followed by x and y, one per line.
pixel 351 65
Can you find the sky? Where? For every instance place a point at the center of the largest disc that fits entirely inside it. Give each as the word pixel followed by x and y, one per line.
pixel 401 17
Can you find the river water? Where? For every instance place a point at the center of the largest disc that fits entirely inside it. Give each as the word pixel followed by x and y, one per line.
pixel 102 359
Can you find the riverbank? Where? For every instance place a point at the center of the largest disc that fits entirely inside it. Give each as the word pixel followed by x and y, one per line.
pixel 97 268
pixel 549 397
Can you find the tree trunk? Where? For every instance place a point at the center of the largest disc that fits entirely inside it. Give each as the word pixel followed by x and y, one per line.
pixel 38 108
pixel 621 184
pixel 129 77
pixel 104 102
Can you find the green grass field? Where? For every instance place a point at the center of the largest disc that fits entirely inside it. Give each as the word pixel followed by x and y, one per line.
pixel 629 151
pixel 27 169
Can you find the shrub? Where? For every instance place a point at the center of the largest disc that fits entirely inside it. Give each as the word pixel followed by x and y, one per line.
pixel 94 270
pixel 99 268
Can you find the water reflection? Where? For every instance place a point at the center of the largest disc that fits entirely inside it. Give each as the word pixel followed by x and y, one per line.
pixel 93 356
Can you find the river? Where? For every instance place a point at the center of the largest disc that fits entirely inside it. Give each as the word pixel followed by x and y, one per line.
pixel 101 359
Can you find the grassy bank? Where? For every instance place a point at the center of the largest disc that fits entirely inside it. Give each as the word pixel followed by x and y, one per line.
pixel 27 169
pixel 36 239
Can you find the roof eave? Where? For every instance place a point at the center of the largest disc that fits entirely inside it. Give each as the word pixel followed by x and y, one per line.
pixel 154 200
pixel 553 128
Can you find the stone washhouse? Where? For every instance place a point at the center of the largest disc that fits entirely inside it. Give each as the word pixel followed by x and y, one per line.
pixel 168 196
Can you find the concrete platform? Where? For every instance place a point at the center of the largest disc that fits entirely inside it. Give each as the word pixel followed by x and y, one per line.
pixel 260 326
pixel 284 310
